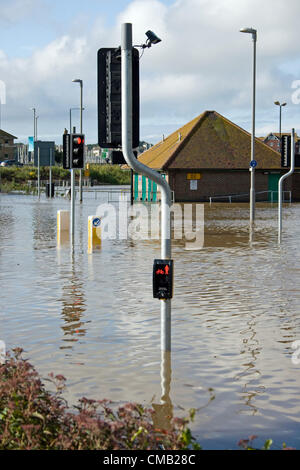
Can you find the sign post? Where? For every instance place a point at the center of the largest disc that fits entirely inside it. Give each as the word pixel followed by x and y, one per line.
pixel 39 174
pixel 50 173
pixel 138 167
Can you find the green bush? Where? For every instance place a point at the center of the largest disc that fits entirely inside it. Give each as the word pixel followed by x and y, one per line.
pixel 100 174
pixel 110 174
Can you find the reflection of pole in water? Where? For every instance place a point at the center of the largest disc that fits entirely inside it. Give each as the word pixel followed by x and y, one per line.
pixel 163 412
pixel 73 303
pixel 251 373
pixel 250 235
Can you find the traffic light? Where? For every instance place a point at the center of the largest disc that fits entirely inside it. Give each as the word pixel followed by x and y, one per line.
pixel 77 150
pixel 109 98
pixel 163 279
pixel 66 151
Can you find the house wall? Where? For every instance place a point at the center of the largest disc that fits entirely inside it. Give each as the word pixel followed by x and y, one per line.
pixel 145 189
pixel 295 179
pixel 216 183
pixel 7 149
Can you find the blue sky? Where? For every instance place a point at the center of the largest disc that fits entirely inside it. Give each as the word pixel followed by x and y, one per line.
pixel 203 62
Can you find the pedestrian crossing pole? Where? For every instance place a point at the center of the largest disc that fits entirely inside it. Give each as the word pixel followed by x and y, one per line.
pixel 138 167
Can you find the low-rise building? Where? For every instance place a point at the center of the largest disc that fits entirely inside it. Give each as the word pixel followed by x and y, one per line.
pixel 7 146
pixel 209 157
pixel 273 139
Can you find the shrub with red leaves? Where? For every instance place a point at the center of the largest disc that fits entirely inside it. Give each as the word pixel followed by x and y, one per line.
pixel 33 418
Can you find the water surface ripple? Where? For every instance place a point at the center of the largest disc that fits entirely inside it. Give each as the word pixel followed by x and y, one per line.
pixel 235 315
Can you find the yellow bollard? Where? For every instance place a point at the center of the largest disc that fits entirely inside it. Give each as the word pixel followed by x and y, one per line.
pixel 63 227
pixel 94 233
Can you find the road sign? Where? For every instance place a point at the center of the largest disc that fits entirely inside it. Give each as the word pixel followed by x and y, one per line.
pixel 96 222
pixel 253 163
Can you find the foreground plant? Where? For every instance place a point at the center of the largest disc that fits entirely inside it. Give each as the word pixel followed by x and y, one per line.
pixel 33 418
pixel 247 444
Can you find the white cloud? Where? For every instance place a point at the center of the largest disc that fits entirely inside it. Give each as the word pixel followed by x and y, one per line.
pixel 13 11
pixel 203 62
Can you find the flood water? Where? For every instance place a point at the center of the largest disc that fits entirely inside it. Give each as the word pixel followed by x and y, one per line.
pixel 92 318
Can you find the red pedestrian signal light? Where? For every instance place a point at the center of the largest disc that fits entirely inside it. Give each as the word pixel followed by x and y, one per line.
pixel 163 279
pixel 77 150
pixel 78 140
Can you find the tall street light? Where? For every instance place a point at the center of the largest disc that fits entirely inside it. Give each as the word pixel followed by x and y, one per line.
pixel 280 106
pixel 77 80
pixel 253 32
pixel 71 109
pixel 38 160
pixel 34 124
pixel 34 114
pixel 36 136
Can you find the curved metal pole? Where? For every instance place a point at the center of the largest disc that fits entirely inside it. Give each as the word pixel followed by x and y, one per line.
pixel 166 197
pixel 252 170
pixel 280 183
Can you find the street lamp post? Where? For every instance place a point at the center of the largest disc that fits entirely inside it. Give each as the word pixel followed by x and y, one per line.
pixel 77 80
pixel 71 109
pixel 36 118
pixel 34 124
pixel 280 106
pixel 253 32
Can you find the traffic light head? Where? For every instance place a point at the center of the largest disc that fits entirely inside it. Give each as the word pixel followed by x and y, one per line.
pixel 66 151
pixel 77 150
pixel 163 279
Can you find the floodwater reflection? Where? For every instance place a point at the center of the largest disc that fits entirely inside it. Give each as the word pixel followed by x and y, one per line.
pixel 235 316
pixel 163 411
pixel 73 308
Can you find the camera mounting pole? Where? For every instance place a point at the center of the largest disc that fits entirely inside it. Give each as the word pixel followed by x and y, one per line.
pixel 126 61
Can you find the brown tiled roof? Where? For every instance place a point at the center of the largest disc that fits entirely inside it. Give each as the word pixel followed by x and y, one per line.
pixel 6 134
pixel 210 141
pixel 159 154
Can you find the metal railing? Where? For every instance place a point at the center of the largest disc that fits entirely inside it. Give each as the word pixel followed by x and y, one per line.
pixel 272 199
pixel 152 196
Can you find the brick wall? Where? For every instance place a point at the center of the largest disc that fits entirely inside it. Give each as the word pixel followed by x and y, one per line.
pixel 216 183
pixel 295 179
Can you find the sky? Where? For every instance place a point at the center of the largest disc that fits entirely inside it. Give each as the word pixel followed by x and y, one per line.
pixel 202 63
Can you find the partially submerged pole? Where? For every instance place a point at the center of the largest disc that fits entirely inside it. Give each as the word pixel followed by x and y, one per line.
pixel 39 175
pixel 50 174
pixel 280 183
pixel 72 213
pixel 138 167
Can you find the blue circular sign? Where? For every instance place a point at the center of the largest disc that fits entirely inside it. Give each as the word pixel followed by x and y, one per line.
pixel 253 163
pixel 96 222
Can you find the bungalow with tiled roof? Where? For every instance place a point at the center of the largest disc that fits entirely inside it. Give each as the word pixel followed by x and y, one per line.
pixel 210 157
